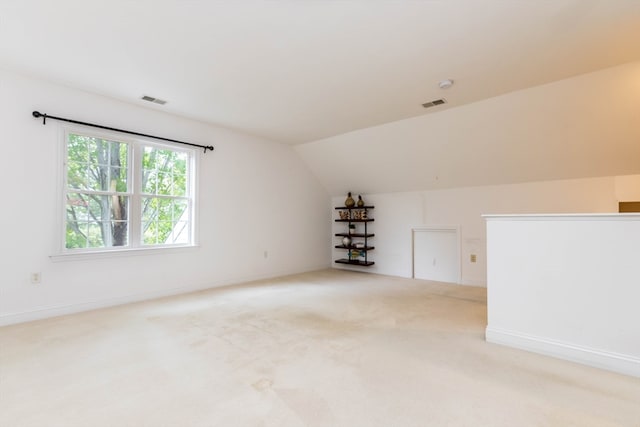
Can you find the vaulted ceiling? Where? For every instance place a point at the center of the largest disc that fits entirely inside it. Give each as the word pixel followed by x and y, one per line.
pixel 299 71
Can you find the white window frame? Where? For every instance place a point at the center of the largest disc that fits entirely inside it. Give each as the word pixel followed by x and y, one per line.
pixel 135 239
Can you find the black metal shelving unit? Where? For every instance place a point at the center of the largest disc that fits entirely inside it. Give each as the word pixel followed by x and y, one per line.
pixel 351 259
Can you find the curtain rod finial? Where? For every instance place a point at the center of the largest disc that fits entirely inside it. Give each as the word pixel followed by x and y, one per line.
pixel 38 114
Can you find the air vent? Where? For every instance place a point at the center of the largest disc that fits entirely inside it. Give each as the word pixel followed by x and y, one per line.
pixel 154 100
pixel 434 103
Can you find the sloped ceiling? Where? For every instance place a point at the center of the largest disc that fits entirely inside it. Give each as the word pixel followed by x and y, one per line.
pixel 584 126
pixel 300 71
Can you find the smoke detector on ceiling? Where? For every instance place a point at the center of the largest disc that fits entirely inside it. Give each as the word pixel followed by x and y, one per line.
pixel 445 84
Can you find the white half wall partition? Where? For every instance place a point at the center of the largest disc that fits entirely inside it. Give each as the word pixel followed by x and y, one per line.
pixel 566 286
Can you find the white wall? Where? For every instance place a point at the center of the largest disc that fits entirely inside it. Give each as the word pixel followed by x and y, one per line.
pixel 396 213
pixel 585 126
pixel 255 196
pixel 555 148
pixel 567 286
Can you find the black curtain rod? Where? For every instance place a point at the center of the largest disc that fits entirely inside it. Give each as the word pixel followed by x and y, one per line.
pixel 38 114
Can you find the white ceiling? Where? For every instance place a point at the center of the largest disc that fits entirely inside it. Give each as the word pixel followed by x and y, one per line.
pixel 298 71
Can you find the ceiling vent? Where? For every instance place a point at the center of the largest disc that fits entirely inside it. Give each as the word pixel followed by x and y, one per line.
pixel 154 100
pixel 434 103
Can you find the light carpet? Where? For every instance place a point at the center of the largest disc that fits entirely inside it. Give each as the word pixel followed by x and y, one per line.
pixel 328 348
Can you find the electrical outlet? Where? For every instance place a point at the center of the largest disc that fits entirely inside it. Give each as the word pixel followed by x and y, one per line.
pixel 473 258
pixel 266 254
pixel 36 278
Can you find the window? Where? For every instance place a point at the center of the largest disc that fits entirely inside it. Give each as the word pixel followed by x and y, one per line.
pixel 126 194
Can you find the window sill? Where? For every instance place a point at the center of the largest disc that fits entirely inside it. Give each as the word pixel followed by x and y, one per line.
pixel 121 253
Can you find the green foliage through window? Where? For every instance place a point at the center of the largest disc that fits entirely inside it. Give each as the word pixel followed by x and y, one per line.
pixel 99 194
pixel 165 211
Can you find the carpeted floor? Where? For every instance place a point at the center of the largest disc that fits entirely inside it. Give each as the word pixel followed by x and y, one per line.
pixel 329 348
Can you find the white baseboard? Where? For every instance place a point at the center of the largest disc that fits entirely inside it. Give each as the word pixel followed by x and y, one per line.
pixel 621 363
pixel 474 282
pixel 62 310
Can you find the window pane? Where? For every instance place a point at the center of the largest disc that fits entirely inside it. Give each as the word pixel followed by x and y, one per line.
pixel 77 207
pixel 95 235
pixel 76 175
pixel 97 221
pixel 76 236
pixel 150 236
pixel 77 149
pixel 96 165
pixel 164 184
pixel 120 233
pixel 117 166
pixel 179 209
pixel 179 184
pixel 149 180
pixel 99 207
pixel 96 178
pixel 164 172
pixel 180 233
pixel 165 221
pixel 179 174
pixel 149 209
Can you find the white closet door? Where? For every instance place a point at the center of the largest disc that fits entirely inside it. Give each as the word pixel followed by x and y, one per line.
pixel 436 255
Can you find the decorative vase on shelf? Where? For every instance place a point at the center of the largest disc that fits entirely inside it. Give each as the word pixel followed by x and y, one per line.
pixel 346 240
pixel 349 202
pixel 360 201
